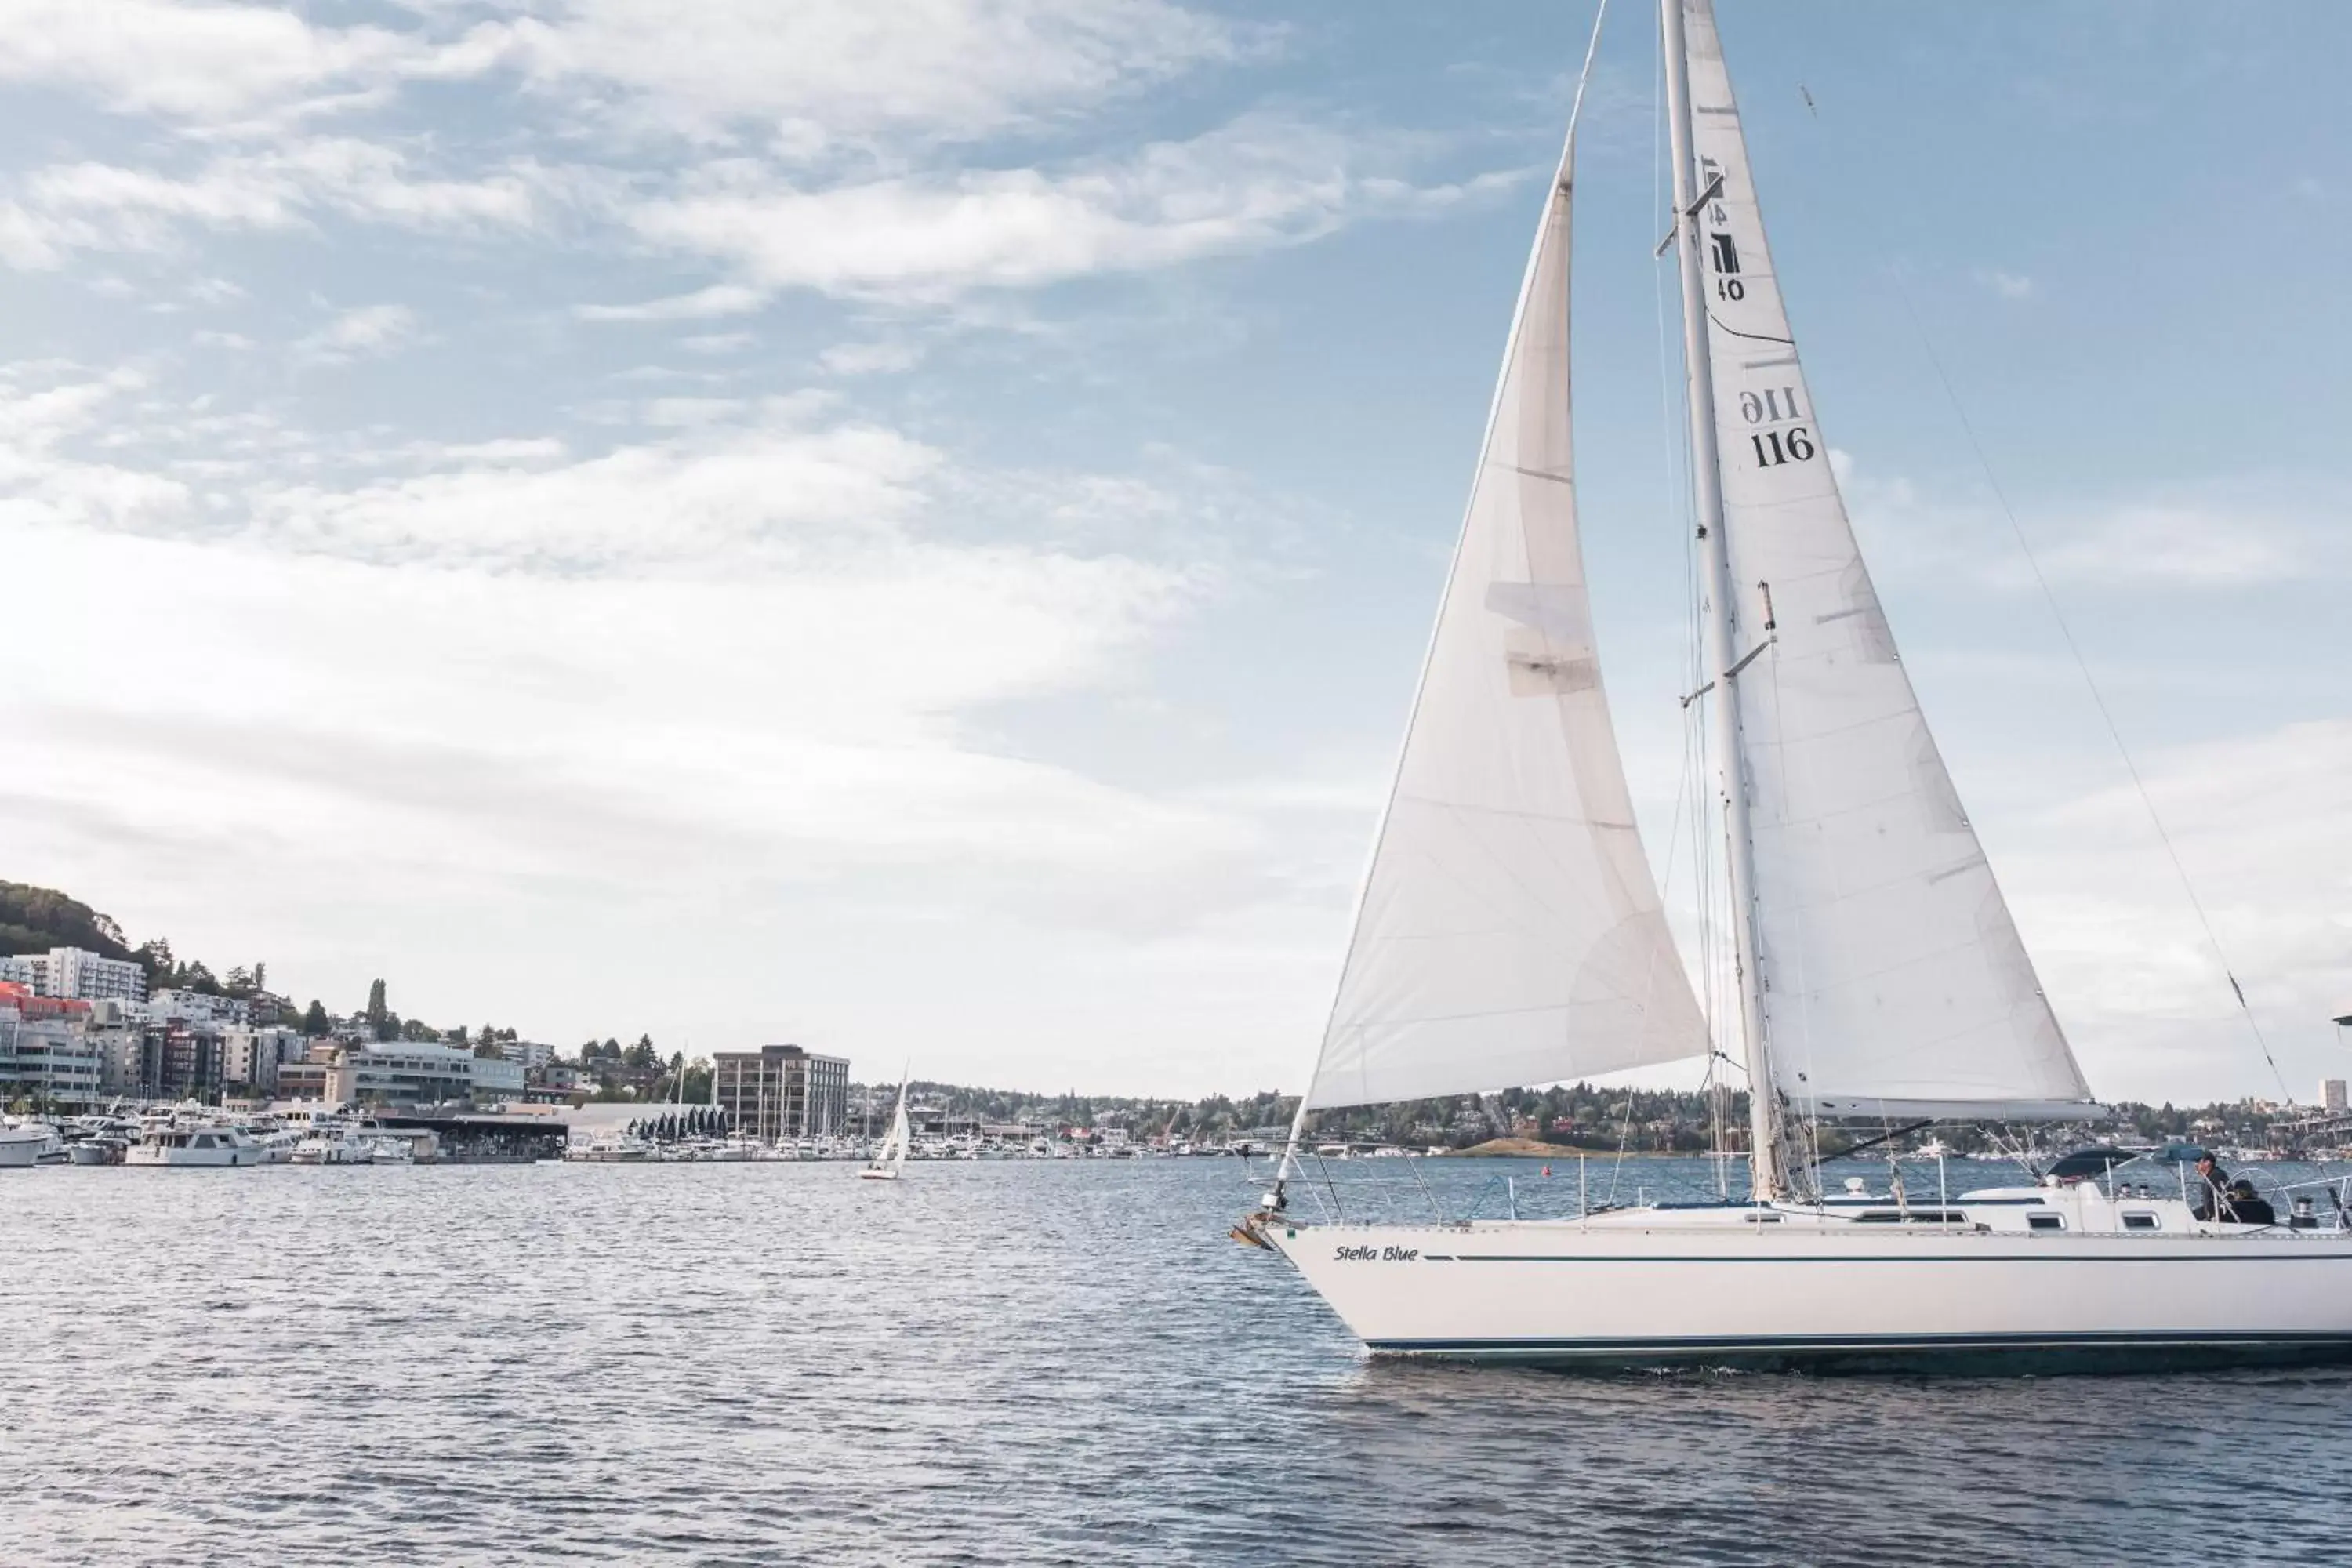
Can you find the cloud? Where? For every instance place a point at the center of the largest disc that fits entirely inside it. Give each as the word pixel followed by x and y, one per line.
pixel 821 73
pixel 364 333
pixel 2007 285
pixel 1253 184
pixel 210 62
pixel 870 359
pixel 718 300
pixel 2259 822
pixel 807 77
pixel 2216 537
pixel 64 208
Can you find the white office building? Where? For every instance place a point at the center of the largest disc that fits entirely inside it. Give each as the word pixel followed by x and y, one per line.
pixel 71 972
pixel 45 1057
pixel 399 1072
pixel 199 1007
pixel 531 1055
pixel 251 1056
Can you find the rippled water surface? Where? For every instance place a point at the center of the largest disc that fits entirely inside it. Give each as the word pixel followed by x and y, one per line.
pixel 1048 1362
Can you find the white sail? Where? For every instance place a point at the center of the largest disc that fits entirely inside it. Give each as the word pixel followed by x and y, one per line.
pixel 894 1155
pixel 1510 931
pixel 1893 981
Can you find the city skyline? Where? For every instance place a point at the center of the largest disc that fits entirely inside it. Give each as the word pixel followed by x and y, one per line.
pixel 916 540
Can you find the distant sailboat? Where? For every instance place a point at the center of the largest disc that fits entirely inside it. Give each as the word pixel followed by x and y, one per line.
pixel 1510 931
pixel 891 1158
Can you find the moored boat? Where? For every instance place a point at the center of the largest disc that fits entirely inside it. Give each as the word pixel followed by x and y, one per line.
pixel 196 1146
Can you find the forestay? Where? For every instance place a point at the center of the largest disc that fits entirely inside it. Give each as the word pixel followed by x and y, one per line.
pixel 1893 981
pixel 1510 931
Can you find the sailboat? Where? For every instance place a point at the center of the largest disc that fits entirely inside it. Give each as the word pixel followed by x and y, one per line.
pixel 1509 930
pixel 891 1158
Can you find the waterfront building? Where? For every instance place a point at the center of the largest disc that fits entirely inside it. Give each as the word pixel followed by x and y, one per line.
pixel 324 1074
pixel 497 1078
pixel 45 1055
pixel 2331 1096
pixel 251 1056
pixel 130 1056
pixel 74 973
pixel 782 1091
pixel 189 1062
pixel 532 1055
pixel 399 1072
pixel 199 1007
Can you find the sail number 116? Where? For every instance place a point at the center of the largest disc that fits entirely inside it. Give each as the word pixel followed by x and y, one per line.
pixel 1771 407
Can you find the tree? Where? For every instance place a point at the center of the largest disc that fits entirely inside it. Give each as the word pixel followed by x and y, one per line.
pixel 34 920
pixel 414 1029
pixel 490 1050
pixel 314 1019
pixel 382 1022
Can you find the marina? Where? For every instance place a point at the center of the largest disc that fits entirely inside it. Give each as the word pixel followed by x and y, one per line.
pixel 1590 762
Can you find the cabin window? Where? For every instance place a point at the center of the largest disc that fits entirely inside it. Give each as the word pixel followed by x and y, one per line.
pixel 2045 1222
pixel 1763 1219
pixel 2139 1222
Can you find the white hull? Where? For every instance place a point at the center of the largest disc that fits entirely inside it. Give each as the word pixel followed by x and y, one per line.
pixel 877 1174
pixel 20 1150
pixel 1664 1287
pixel 220 1158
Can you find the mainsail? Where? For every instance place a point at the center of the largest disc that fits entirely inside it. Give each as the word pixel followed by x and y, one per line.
pixel 1892 979
pixel 1510 931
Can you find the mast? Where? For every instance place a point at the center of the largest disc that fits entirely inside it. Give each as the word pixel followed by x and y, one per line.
pixel 1768 1171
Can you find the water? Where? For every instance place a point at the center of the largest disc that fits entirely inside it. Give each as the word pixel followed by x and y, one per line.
pixel 1032 1363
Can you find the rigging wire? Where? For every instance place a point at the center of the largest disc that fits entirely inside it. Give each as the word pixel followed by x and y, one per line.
pixel 2082 664
pixel 2098 698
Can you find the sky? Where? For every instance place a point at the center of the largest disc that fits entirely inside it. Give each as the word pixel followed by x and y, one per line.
pixel 910 529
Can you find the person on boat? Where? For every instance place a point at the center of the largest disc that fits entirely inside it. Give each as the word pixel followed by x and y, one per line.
pixel 2212 1199
pixel 2247 1206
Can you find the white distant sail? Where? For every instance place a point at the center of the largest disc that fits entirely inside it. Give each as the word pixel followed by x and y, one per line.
pixel 1894 980
pixel 1510 931
pixel 891 1158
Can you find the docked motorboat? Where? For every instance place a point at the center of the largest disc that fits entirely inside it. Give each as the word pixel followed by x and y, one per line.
pixel 327 1144
pixel 610 1148
pixel 105 1149
pixel 28 1143
pixel 200 1146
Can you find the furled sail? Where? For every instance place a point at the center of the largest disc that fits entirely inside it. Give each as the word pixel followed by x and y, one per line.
pixel 1893 981
pixel 1510 931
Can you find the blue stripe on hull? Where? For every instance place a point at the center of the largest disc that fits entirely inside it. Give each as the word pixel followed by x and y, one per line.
pixel 2011 1353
